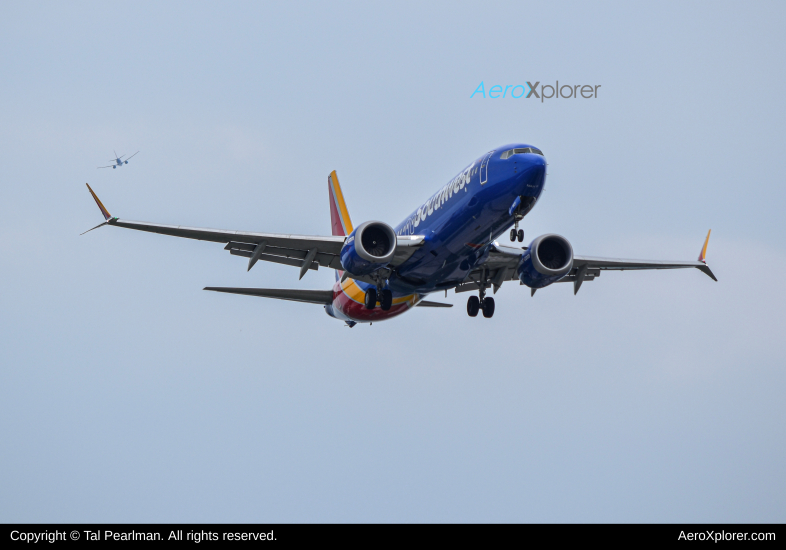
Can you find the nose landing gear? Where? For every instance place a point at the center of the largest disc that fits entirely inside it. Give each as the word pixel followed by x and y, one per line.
pixel 517 233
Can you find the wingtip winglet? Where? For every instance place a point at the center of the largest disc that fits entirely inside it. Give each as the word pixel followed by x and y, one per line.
pixel 706 270
pixel 104 211
pixel 703 259
pixel 703 254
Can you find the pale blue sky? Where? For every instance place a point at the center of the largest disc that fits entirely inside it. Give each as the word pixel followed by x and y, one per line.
pixel 129 394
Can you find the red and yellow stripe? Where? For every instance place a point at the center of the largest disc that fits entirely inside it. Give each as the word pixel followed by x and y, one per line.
pixel 357 294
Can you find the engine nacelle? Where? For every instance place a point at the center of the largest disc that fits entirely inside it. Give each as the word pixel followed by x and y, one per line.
pixel 369 247
pixel 547 260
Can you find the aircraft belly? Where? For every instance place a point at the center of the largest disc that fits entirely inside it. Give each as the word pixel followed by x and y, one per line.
pixel 348 303
pixel 461 245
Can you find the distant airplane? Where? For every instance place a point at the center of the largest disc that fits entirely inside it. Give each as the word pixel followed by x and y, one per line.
pixel 447 243
pixel 118 161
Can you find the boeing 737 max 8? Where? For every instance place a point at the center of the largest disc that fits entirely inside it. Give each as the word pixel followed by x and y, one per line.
pixel 450 242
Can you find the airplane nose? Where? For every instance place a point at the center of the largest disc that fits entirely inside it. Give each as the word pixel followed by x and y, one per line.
pixel 538 160
pixel 534 175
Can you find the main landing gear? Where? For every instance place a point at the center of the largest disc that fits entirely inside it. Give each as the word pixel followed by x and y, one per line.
pixel 481 302
pixel 485 303
pixel 385 298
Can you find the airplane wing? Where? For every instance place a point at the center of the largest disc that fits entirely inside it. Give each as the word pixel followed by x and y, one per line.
pixel 132 156
pixel 110 166
pixel 303 251
pixel 503 260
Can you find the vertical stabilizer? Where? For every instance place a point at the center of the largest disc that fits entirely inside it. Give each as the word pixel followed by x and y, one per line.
pixel 339 215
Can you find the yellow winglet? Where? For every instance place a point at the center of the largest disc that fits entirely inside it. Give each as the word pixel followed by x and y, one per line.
pixel 703 255
pixel 104 211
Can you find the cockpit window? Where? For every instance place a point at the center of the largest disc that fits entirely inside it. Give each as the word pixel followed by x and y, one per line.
pixel 510 152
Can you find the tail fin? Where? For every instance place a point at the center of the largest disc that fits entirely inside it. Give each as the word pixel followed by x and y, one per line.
pixel 339 215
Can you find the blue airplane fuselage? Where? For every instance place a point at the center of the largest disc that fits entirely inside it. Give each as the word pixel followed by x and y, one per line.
pixel 459 223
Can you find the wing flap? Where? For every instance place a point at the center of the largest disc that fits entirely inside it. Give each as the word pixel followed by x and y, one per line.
pixel 288 256
pixel 275 259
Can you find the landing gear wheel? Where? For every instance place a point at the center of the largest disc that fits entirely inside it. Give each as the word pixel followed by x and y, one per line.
pixel 386 300
pixel 512 235
pixel 488 307
pixel 473 305
pixel 371 298
pixel 520 235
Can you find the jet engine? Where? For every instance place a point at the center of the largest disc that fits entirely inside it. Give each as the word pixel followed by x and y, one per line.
pixel 548 259
pixel 369 247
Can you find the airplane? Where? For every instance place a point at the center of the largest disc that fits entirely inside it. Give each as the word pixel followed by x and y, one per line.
pixel 118 161
pixel 449 242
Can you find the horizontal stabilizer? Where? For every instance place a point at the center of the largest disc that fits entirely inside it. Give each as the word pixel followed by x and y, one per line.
pixel 323 297
pixel 426 303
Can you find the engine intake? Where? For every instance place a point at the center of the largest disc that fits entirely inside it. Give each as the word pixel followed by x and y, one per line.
pixel 548 259
pixel 369 247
